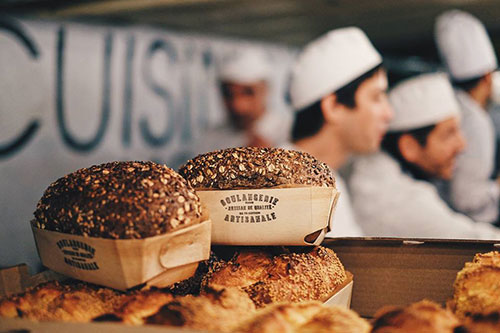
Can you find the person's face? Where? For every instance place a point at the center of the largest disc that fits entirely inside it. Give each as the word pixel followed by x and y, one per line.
pixel 437 158
pixel 364 126
pixel 245 103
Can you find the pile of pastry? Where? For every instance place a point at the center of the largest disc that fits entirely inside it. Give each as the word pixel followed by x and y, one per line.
pixel 257 289
pixel 266 290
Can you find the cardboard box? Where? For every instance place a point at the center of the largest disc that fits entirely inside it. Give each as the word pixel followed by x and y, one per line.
pixel 275 216
pixel 394 271
pixel 126 263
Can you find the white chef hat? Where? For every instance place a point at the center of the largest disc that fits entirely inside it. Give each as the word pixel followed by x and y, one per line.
pixel 422 101
pixel 329 63
pixel 245 66
pixel 464 45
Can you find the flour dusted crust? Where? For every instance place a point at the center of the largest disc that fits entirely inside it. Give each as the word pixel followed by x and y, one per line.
pixel 423 316
pixel 294 275
pixel 477 286
pixel 252 167
pixel 119 200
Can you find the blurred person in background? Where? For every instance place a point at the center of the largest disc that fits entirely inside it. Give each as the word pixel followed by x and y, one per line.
pixel 338 90
pixel 469 57
pixel 392 192
pixel 244 80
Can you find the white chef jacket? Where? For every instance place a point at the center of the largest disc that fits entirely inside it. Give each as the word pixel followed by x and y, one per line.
pixel 343 223
pixel 388 202
pixel 472 191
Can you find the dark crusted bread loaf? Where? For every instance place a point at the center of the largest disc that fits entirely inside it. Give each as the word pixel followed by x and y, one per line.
pixel 253 167
pixel 119 200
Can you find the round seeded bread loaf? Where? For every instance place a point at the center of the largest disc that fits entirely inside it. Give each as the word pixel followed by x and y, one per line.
pixel 119 200
pixel 252 167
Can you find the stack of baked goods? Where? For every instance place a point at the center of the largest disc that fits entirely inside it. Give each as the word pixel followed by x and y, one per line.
pixel 237 288
pixel 221 310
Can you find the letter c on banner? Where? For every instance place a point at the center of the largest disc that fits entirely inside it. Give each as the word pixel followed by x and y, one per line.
pixel 22 139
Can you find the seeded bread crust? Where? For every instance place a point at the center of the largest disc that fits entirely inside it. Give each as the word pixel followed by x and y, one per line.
pixel 267 276
pixel 119 200
pixel 252 167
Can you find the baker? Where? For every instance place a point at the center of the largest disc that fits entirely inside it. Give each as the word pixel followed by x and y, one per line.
pixel 338 90
pixel 468 54
pixel 244 80
pixel 392 191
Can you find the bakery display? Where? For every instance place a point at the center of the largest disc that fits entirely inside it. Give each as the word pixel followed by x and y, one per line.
pixel 268 287
pixel 304 317
pixel 423 316
pixel 273 274
pixel 252 168
pixel 119 200
pixel 477 286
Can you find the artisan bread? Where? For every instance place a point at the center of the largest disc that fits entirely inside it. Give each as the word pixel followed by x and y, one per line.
pixel 271 275
pixel 423 316
pixel 304 317
pixel 477 286
pixel 62 301
pixel 253 168
pixel 218 310
pixel 119 200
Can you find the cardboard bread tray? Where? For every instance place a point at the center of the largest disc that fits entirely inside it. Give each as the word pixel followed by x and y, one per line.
pixel 126 263
pixel 273 216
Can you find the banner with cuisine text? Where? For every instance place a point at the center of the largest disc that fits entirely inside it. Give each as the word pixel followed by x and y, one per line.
pixel 73 95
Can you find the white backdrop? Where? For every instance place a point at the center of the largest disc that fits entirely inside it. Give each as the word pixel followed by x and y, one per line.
pixel 73 95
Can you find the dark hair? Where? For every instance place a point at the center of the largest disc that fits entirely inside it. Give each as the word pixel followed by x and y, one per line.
pixel 309 120
pixel 390 144
pixel 466 85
